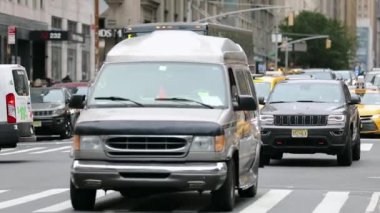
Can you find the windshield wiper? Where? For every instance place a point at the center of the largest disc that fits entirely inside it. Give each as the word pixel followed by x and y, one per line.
pixel 114 98
pixel 277 102
pixel 185 100
pixel 309 101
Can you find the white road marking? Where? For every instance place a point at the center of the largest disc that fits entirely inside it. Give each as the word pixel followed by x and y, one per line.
pixel 67 204
pixel 29 198
pixel 373 203
pixel 67 151
pixel 51 150
pixel 267 201
pixel 365 147
pixel 22 151
pixel 2 191
pixel 43 143
pixel 332 202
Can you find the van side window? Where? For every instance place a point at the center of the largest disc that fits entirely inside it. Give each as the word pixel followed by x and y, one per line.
pixel 20 82
pixel 242 82
pixel 250 81
pixel 233 87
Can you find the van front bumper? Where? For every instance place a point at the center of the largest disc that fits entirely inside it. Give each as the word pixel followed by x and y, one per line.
pixel 9 135
pixel 169 176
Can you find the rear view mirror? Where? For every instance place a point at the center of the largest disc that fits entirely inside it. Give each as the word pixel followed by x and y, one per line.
pixel 262 100
pixel 355 99
pixel 245 102
pixel 77 102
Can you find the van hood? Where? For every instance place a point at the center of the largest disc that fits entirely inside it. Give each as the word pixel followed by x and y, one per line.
pixel 303 108
pixel 153 121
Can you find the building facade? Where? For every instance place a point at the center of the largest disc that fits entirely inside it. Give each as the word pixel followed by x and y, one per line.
pixel 122 13
pixel 366 34
pixel 53 38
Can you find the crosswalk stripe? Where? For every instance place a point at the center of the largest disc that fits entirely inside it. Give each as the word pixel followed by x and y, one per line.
pixel 365 147
pixel 267 201
pixel 29 198
pixel 51 150
pixel 23 151
pixel 66 151
pixel 67 204
pixel 332 202
pixel 2 191
pixel 373 203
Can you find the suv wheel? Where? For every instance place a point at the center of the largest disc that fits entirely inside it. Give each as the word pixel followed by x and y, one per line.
pixel 67 130
pixel 356 148
pixel 223 199
pixel 82 199
pixel 345 158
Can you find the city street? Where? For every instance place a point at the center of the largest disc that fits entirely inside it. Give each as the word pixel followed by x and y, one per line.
pixel 35 178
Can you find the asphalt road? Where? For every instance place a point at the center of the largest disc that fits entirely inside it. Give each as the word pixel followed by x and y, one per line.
pixel 35 178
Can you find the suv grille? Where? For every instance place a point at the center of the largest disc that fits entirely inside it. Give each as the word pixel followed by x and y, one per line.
pixel 300 120
pixel 43 113
pixel 147 146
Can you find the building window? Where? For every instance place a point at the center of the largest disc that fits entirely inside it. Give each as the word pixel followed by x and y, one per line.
pixel 42 4
pixel 18 1
pixel 71 64
pixel 56 23
pixel 26 2
pixel 85 65
pixel 56 63
pixel 86 30
pixel 34 4
pixel 72 26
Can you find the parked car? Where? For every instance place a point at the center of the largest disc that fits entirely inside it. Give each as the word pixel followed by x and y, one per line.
pixel 370 76
pixel 174 115
pixel 15 117
pixel 75 88
pixel 51 112
pixel 311 116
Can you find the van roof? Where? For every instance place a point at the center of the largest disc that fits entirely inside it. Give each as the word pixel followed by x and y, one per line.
pixel 177 45
pixel 10 66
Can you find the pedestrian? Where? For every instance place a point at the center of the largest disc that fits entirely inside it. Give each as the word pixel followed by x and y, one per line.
pixel 66 79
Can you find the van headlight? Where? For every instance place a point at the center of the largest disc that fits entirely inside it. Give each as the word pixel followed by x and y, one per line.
pixel 208 144
pixel 92 143
pixel 267 119
pixel 336 119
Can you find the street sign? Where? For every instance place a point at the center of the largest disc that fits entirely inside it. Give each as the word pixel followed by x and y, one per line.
pixel 276 38
pixel 11 34
pixel 300 47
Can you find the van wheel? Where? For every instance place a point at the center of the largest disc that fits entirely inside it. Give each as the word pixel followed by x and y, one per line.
pixel 67 131
pixel 223 199
pixel 345 158
pixel 82 199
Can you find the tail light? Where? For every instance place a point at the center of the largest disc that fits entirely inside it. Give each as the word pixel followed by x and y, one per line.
pixel 11 108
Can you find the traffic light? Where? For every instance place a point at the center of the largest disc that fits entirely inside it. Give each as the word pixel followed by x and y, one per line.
pixel 291 19
pixel 328 43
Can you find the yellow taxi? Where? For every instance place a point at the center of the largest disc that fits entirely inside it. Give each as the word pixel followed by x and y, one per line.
pixel 369 110
pixel 265 84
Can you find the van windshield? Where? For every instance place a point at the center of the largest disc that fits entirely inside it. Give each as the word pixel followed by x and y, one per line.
pixel 160 84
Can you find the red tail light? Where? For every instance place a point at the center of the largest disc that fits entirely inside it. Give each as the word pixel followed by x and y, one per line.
pixel 11 108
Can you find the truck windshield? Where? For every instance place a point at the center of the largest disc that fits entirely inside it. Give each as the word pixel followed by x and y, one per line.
pixel 150 83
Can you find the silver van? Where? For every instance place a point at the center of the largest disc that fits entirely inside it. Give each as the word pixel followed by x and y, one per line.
pixel 168 111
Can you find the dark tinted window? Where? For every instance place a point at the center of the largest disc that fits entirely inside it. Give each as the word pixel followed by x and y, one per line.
pixel 20 82
pixel 243 85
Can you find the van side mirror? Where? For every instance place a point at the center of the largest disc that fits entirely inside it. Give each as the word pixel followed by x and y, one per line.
pixel 245 102
pixel 262 100
pixel 355 99
pixel 77 102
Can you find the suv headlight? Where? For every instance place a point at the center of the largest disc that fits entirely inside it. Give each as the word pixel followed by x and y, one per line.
pixel 59 111
pixel 90 143
pixel 336 119
pixel 207 144
pixel 267 119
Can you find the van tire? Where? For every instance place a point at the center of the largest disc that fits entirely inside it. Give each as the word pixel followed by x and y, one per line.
pixel 223 199
pixel 67 132
pixel 82 199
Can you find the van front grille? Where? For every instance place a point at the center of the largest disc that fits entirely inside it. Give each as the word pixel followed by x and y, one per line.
pixel 147 146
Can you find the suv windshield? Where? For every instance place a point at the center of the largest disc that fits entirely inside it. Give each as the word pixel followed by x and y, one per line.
pixel 307 92
pixel 41 95
pixel 370 99
pixel 262 89
pixel 151 83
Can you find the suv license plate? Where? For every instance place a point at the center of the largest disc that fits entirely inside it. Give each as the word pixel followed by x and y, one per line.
pixel 37 123
pixel 299 133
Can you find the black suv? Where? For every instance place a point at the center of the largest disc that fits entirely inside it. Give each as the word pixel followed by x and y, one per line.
pixel 311 116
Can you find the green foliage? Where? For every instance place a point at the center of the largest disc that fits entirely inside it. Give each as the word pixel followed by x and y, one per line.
pixel 337 57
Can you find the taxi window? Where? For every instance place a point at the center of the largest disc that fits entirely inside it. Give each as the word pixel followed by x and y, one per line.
pixel 20 82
